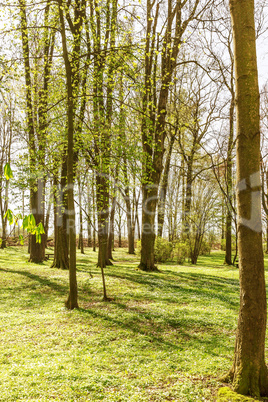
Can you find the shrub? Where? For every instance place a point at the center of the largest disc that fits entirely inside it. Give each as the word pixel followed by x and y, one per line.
pixel 205 248
pixel 181 252
pixel 162 249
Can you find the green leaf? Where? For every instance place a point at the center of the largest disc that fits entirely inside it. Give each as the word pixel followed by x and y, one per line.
pixel 31 222
pixel 8 172
pixel 10 217
pixel 21 239
pixel 25 223
pixel 41 228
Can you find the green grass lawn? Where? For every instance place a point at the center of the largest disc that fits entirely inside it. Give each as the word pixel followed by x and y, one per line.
pixel 164 336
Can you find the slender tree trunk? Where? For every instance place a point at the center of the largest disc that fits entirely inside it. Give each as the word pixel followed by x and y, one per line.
pixel 37 250
pixel 130 231
pixel 249 371
pixel 72 301
pixel 188 195
pixel 111 229
pixel 229 180
pixel 94 219
pixel 81 240
pixel 89 237
pixel 163 189
pixel 46 226
pixel 137 221
pixel 223 225
pixel 61 259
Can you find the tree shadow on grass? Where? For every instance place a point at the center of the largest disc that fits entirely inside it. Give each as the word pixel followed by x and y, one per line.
pixel 43 281
pixel 186 324
pixel 207 286
pixel 186 332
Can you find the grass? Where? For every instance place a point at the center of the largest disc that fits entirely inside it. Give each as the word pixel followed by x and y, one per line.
pixel 165 336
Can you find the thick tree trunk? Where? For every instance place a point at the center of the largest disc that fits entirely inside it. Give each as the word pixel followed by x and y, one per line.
pixel 249 371
pixel 102 196
pixel 266 235
pixel 147 262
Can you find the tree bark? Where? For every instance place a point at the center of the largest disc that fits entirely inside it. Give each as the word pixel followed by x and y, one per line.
pixel 147 262
pixel 163 188
pixel 229 181
pixel 71 301
pixel 61 259
pixel 81 240
pixel 37 124
pixel 89 237
pixel 249 371
pixel 111 229
pixel 37 250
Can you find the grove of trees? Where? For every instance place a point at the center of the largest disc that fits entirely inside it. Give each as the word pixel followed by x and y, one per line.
pixel 132 123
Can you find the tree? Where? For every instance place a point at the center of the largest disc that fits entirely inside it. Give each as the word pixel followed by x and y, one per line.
pixel 219 48
pixel 154 106
pixel 72 85
pixel 249 372
pixel 37 80
pixel 6 139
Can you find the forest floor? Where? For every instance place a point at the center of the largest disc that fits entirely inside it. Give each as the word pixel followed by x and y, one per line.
pixel 164 336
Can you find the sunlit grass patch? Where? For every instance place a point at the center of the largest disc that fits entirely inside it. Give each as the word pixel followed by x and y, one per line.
pixel 164 336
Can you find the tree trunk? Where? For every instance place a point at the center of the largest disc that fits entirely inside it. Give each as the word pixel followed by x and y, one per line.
pixel 81 240
pixel 111 230
pixel 89 237
pixel 249 371
pixel 37 250
pixel 266 215
pixel 188 194
pixel 163 188
pixel 102 197
pixel 71 301
pixel 229 180
pixel 130 228
pixel 61 259
pixel 94 219
pixel 147 262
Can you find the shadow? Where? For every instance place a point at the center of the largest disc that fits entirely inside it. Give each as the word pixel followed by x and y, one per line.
pixel 132 326
pixel 208 286
pixel 152 325
pixel 43 281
